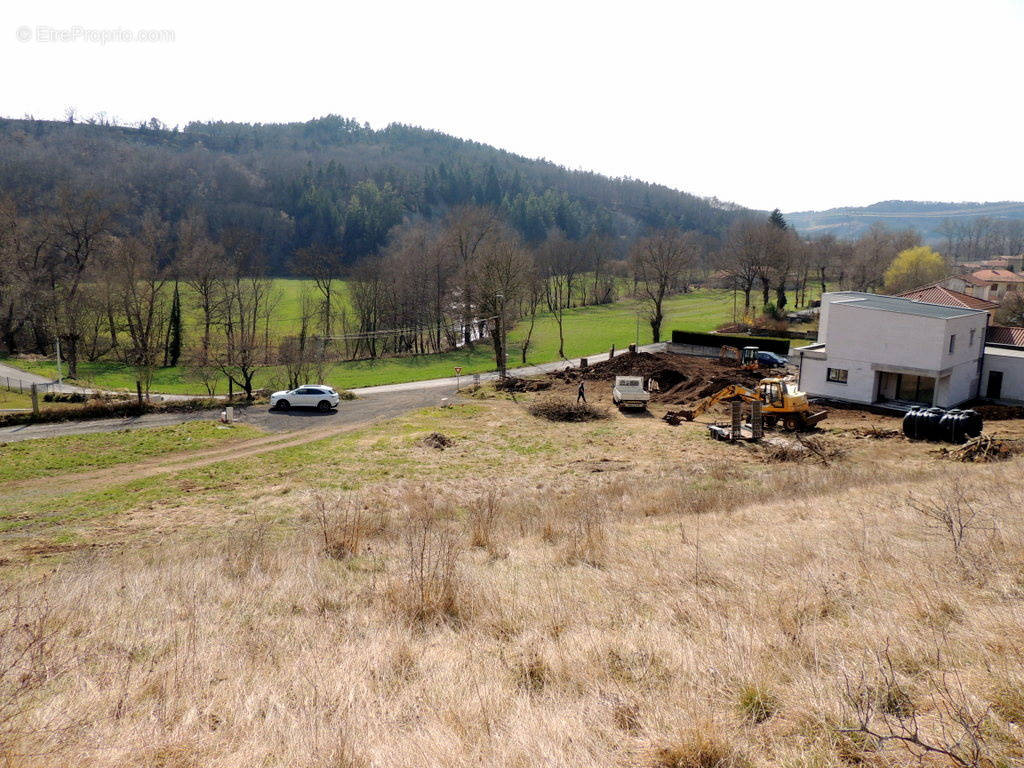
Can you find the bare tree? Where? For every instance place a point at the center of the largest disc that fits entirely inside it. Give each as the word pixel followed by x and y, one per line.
pixel 323 266
pixel 202 265
pixel 661 264
pixel 81 228
pixel 498 274
pixel 466 230
pixel 558 258
pixel 245 303
pixel 141 293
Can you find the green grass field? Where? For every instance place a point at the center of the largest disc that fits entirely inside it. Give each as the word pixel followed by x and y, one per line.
pixel 588 330
pixel 36 458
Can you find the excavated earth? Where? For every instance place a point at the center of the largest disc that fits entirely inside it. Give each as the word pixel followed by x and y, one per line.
pixel 680 378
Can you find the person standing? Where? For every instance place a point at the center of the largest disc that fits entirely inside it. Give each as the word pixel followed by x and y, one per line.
pixel 581 394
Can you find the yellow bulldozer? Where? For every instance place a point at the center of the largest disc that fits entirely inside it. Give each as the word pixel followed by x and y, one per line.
pixel 782 403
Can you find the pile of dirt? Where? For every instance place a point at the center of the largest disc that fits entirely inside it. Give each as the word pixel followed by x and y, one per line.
pixel 565 410
pixel 678 378
pixel 876 433
pixel 1000 412
pixel 514 384
pixel 437 440
pixel 800 449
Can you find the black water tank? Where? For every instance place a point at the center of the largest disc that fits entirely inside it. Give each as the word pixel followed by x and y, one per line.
pixel 951 426
pixel 912 423
pixel 974 423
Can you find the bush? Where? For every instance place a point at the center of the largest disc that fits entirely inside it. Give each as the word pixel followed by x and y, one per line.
pixel 565 410
pixel 699 748
pixel 757 704
pixel 428 593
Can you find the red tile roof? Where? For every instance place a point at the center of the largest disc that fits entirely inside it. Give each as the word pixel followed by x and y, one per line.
pixel 938 294
pixel 998 276
pixel 1004 334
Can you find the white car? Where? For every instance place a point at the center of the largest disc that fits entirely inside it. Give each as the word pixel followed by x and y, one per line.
pixel 318 396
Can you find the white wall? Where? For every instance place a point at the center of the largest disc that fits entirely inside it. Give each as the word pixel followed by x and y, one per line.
pixel 864 341
pixel 1011 363
pixel 860 379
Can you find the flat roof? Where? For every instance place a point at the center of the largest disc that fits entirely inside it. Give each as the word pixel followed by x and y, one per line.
pixel 901 305
pixel 1003 351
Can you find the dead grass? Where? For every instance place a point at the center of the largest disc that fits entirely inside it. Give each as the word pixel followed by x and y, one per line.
pixel 715 611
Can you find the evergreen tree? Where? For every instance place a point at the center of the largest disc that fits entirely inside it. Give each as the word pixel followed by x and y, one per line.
pixel 777 220
pixel 174 343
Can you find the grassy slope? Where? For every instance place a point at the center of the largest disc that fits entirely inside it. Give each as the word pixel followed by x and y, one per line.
pixel 588 330
pixel 689 607
pixel 38 458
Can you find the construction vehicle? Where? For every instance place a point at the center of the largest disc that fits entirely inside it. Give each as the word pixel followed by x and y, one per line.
pixel 782 403
pixel 745 358
pixel 629 392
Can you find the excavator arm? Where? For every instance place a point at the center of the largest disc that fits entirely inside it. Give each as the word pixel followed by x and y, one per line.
pixel 730 392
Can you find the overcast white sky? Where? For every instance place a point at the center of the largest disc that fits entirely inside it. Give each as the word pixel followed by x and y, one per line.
pixel 791 104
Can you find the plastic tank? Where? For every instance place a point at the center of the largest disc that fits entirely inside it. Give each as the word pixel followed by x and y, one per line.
pixel 940 425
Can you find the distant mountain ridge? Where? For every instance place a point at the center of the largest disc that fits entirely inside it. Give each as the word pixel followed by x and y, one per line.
pixel 926 217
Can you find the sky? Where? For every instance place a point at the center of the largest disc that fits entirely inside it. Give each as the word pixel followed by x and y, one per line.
pixel 795 105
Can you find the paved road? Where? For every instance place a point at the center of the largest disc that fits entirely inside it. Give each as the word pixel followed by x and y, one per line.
pixel 373 403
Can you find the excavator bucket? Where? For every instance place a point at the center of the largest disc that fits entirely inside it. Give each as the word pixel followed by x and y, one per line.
pixel 813 418
pixel 686 413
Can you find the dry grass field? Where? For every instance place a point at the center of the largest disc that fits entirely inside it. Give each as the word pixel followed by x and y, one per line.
pixel 610 593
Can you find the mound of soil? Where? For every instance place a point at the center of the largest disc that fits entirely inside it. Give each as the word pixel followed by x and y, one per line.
pixel 995 412
pixel 514 384
pixel 437 440
pixel 679 378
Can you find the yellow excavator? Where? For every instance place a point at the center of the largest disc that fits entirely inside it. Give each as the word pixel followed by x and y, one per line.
pixel 782 403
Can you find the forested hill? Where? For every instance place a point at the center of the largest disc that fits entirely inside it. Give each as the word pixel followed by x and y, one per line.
pixel 330 182
pixel 937 222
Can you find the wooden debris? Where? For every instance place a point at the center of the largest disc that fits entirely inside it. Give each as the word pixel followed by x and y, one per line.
pixel 983 448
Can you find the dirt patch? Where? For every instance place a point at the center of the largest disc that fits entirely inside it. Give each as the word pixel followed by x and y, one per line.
pixel 515 384
pixel 678 379
pixel 777 449
pixel 995 412
pixel 437 440
pixel 554 409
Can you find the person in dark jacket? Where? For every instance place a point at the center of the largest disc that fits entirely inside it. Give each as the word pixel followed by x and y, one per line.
pixel 581 394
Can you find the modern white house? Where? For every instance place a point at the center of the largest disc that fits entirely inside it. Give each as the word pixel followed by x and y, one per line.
pixel 887 349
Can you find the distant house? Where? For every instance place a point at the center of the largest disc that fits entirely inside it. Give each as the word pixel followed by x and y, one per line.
pixel 988 284
pixel 937 293
pixel 1011 263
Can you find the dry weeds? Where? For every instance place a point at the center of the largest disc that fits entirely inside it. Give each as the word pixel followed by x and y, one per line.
pixel 754 615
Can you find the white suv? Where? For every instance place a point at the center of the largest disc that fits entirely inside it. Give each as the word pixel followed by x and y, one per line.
pixel 318 396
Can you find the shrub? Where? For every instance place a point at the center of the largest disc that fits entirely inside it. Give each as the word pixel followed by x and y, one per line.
pixel 757 704
pixel 428 591
pixel 586 538
pixel 483 517
pixel 699 748
pixel 343 524
pixel 565 410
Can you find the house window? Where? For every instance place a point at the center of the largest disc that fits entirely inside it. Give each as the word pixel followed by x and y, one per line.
pixel 971 340
pixel 837 375
pixel 952 343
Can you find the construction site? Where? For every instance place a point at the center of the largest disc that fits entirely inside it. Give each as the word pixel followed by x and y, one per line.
pixel 735 401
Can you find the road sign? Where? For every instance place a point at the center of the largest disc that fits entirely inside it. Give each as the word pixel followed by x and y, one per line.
pixel 458 369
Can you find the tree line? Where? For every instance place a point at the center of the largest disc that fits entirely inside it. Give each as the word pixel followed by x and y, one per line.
pixel 329 184
pixel 766 256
